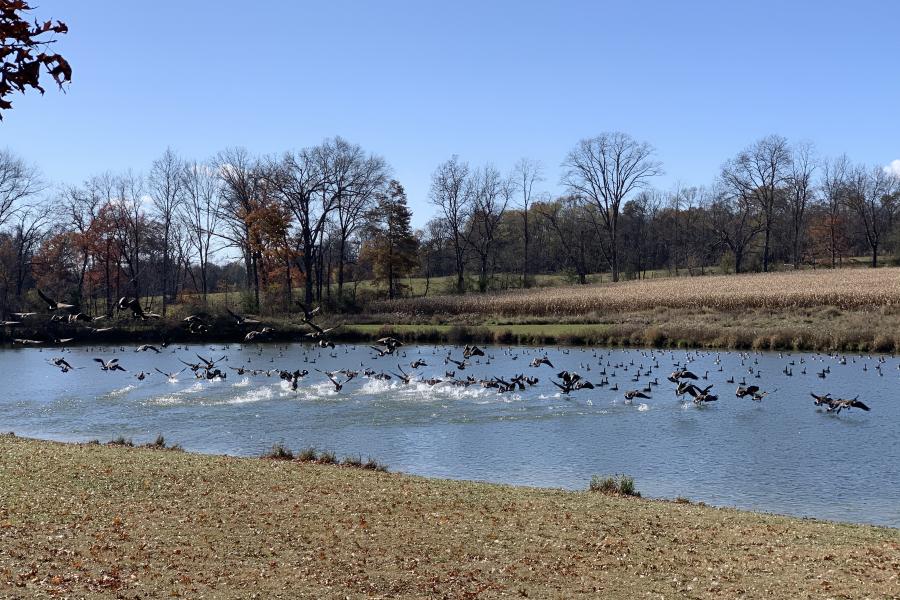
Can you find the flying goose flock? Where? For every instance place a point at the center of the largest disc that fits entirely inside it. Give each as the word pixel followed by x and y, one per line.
pixel 605 371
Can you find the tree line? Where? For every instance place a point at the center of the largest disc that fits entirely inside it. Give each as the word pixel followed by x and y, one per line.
pixel 311 225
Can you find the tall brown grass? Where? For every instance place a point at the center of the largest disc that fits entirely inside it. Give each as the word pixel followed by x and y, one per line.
pixel 845 289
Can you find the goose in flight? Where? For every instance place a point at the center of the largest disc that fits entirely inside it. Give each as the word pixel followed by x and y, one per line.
pixel 110 365
pixel 53 304
pixel 172 375
pixel 404 377
pixel 382 351
pixel 632 394
pixel 307 313
pixel 390 343
pixel 537 362
pixel 62 363
pixel 470 351
pixel 460 364
pixel 137 311
pixel 337 385
pixel 145 347
pixel 241 320
pixel 836 405
pixel 253 335
pixel 681 374
pixel 750 390
pixel 418 364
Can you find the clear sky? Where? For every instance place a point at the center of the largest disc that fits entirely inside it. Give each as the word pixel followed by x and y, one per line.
pixel 491 81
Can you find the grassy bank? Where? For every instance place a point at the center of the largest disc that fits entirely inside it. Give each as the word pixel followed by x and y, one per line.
pixel 825 328
pixel 851 310
pixel 88 520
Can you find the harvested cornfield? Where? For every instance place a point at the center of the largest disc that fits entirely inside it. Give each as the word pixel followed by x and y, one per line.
pixel 848 289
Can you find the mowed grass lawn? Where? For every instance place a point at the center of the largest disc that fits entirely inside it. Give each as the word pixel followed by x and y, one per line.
pixel 94 521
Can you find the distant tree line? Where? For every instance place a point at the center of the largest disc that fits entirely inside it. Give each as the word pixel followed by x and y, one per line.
pixel 310 225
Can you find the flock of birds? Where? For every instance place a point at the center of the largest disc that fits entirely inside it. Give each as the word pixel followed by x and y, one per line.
pixel 686 383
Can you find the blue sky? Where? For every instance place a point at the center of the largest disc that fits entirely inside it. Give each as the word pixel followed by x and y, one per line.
pixel 491 81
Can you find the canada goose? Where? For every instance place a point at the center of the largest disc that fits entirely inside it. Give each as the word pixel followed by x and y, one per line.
pixel 53 304
pixel 750 390
pixel 137 311
pixel 632 394
pixel 404 377
pixel 254 335
pixel 390 344
pixel 211 363
pixel 460 364
pixel 836 405
pixel 110 365
pixel 337 385
pixel 682 374
pixel 544 360
pixel 63 365
pixel 307 313
pixel 470 351
pixel 418 363
pixel 26 342
pixel 145 347
pixel 170 375
pixel 241 320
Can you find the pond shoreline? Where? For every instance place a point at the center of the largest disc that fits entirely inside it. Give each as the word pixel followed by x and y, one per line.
pixel 822 329
pixel 152 522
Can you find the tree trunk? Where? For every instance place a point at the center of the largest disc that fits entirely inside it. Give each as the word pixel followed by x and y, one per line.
pixel 525 282
pixel 341 268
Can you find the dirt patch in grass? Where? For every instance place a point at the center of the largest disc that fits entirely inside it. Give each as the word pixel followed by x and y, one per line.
pixel 97 521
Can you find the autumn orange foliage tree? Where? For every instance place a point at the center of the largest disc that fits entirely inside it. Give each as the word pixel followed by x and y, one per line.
pixel 24 51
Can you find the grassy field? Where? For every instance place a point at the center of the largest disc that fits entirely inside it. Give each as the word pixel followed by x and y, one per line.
pixel 103 522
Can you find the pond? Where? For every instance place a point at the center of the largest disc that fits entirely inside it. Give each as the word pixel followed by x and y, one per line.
pixel 782 454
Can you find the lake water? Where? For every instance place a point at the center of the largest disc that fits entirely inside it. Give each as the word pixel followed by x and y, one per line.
pixel 780 455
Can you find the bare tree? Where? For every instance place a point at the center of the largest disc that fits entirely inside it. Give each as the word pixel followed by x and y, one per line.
pixel 243 181
pixel 29 225
pixel 199 214
pixel 834 190
pixel 351 178
pixel 166 187
pixel 800 192
pixel 132 230
pixel 18 182
pixel 732 219
pixel 872 196
pixel 565 220
pixel 451 193
pixel 299 180
pixel 526 174
pixel 603 171
pixel 758 174
pixel 490 195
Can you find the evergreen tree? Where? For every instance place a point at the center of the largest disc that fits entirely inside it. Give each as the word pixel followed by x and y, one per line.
pixel 391 246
